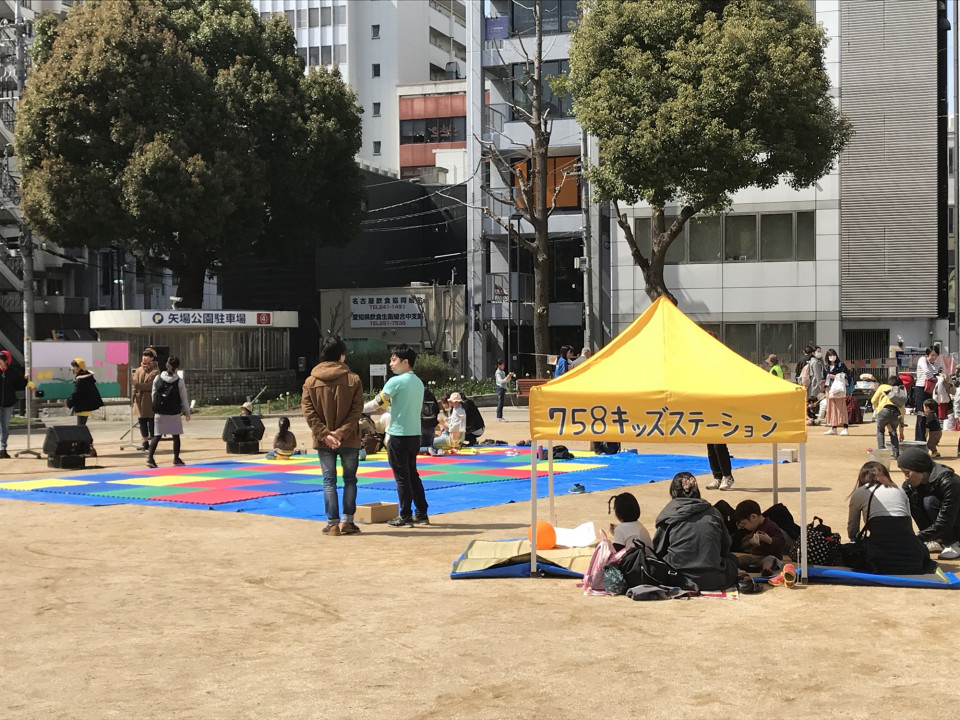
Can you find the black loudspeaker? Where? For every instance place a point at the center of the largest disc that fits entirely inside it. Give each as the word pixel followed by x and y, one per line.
pixel 243 428
pixel 67 440
pixel 247 447
pixel 66 462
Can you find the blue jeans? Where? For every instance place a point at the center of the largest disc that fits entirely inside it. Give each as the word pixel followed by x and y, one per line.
pixel 889 418
pixel 5 415
pixel 349 460
pixel 501 395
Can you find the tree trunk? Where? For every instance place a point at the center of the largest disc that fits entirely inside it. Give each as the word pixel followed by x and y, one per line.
pixel 655 287
pixel 541 304
pixel 190 287
pixel 539 212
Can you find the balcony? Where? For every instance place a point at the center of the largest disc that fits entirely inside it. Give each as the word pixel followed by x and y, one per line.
pixel 509 297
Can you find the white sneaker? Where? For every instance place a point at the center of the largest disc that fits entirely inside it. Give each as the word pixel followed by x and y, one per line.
pixel 950 553
pixel 933 546
pixel 831 431
pixel 726 483
pixel 714 484
pixel 844 432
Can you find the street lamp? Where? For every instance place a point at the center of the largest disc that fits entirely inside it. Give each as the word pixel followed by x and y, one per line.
pixel 123 295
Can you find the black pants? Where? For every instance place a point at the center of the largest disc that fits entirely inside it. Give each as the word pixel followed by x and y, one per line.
pixel 146 428
pixel 918 397
pixel 501 395
pixel 402 454
pixel 925 509
pixel 719 458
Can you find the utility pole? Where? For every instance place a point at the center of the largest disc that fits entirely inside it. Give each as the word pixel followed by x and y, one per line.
pixel 587 244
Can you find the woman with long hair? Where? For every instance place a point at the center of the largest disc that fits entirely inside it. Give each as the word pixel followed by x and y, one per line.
pixel 886 542
pixel 836 370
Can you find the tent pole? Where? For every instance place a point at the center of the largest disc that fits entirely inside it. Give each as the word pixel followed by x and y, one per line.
pixel 533 508
pixel 776 470
pixel 803 512
pixel 553 512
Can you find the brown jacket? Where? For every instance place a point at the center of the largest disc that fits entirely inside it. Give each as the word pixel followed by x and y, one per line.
pixel 142 390
pixel 332 402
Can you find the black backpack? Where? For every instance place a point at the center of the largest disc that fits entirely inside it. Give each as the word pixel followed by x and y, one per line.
pixel 430 410
pixel 640 566
pixel 166 401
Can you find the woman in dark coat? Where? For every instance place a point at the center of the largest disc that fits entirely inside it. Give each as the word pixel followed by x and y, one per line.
pixel 85 397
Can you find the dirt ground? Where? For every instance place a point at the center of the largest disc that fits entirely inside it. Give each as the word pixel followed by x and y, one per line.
pixel 141 612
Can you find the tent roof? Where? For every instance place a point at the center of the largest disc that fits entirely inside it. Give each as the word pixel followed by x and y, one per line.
pixel 664 379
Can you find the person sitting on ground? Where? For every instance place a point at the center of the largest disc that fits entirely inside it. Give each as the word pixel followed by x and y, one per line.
pixel 934 494
pixel 813 411
pixel 284 442
pixel 691 537
pixel 763 540
pixel 428 419
pixel 888 403
pixel 456 420
pixel 627 510
pixel 246 409
pixel 932 427
pixel 475 424
pixel 889 545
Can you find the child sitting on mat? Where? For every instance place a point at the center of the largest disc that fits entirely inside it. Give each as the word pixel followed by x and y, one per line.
pixel 764 539
pixel 284 442
pixel 627 510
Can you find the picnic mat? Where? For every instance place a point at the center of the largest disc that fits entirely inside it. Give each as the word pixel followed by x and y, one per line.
pixel 511 558
pixel 494 475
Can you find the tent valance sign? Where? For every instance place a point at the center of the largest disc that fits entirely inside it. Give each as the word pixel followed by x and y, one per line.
pixel 666 380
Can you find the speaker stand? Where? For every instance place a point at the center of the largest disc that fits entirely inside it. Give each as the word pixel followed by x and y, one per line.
pixel 28 450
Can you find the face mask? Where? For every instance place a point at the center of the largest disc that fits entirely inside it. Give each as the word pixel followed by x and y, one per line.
pixel 832 358
pixel 817 354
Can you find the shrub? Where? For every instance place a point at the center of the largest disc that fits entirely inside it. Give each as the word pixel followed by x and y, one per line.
pixel 432 369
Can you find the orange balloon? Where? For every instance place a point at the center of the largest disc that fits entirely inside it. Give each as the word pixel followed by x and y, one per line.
pixel 546 535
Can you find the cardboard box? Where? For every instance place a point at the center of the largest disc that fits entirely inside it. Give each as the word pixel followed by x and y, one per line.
pixel 377 512
pixel 788 455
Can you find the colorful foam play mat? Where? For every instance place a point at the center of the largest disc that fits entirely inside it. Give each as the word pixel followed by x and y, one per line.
pixel 492 475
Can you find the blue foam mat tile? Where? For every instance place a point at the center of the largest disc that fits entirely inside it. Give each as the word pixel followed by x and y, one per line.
pixel 62 498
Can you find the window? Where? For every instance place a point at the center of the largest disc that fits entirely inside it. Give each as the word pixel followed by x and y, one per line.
pixel 301 18
pixel 314 56
pixel 806 236
pixel 779 339
pixel 704 239
pixel 375 32
pixel 558 106
pixel 314 17
pixel 950 161
pixel 265 15
pixel 376 147
pixel 291 17
pixel 376 109
pixel 376 70
pixel 742 338
pixel 565 280
pixel 339 53
pixel 557 16
pixel 326 55
pixel 740 238
pixel 432 130
pixel 302 53
pixel 459 50
pixel 776 237
pixel 339 14
pixel 950 220
pixel 325 18
pixel 437 72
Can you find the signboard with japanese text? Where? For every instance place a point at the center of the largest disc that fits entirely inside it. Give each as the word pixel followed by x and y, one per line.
pixel 665 380
pixel 205 318
pixel 108 361
pixel 386 311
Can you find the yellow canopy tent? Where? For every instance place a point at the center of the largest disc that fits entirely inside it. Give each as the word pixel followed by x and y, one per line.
pixel 665 380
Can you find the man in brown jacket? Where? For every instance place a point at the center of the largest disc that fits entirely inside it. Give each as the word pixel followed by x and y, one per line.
pixel 332 403
pixel 143 378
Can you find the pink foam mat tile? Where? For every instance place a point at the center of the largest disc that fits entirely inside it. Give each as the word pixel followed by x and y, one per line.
pixel 225 483
pixel 213 497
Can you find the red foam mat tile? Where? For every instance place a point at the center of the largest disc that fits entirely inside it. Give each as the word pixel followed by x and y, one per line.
pixel 225 483
pixel 213 497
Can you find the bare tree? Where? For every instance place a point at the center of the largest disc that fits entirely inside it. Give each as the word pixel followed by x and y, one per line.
pixel 526 171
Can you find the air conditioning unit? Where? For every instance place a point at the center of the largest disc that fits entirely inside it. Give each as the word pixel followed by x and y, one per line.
pixel 454 354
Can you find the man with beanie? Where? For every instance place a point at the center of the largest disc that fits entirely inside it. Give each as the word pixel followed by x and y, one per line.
pixel 12 380
pixel 934 494
pixel 331 403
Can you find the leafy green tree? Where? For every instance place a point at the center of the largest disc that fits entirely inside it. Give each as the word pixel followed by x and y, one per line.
pixel 692 100
pixel 185 131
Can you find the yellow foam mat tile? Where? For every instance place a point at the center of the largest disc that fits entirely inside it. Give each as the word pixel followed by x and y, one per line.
pixel 43 483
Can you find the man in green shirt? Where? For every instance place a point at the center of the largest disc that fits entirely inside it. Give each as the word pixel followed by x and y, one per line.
pixel 403 394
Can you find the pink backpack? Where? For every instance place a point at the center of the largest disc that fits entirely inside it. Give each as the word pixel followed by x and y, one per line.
pixel 603 555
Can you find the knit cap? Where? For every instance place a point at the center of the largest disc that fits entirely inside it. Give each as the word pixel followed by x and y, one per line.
pixel 915 459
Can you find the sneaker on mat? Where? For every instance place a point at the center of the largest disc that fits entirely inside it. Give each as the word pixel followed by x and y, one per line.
pixel 421 519
pixel 178 461
pixel 726 483
pixel 151 463
pixel 714 484
pixel 578 489
pixel 333 529
pixel 348 528
pixel 933 546
pixel 400 521
pixel 950 553
pixel 831 431
pixel 844 432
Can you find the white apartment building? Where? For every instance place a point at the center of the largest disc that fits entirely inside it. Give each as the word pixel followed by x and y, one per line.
pixel 378 44
pixel 856 262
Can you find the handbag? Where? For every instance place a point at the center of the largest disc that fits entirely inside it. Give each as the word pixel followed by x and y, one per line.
pixel 855 554
pixel 603 556
pixel 929 385
pixel 823 545
pixel 641 566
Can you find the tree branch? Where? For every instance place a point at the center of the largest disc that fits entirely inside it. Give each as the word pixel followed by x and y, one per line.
pixel 624 223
